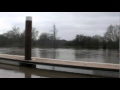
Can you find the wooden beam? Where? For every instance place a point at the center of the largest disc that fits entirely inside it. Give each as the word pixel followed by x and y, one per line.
pixel 64 63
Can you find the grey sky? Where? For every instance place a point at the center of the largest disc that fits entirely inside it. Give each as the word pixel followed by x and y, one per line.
pixel 68 23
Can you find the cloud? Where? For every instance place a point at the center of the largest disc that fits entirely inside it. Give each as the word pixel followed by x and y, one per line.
pixel 68 23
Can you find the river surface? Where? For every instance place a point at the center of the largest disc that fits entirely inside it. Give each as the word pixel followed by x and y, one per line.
pixel 42 71
pixel 87 55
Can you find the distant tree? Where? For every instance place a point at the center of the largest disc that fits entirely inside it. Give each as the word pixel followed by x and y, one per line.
pixel 3 40
pixel 13 36
pixel 96 41
pixel 35 34
pixel 111 37
pixel 54 36
pixel 44 40
pixel 22 39
pixel 76 41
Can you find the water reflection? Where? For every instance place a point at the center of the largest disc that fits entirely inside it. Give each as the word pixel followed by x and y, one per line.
pixel 9 71
pixel 111 56
pixel 88 55
pixel 49 53
pixel 102 56
pixel 45 53
pixel 12 51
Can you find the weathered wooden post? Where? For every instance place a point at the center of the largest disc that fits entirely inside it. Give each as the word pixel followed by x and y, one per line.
pixel 28 42
pixel 28 35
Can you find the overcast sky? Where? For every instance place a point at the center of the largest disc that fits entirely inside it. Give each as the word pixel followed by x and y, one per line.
pixel 68 23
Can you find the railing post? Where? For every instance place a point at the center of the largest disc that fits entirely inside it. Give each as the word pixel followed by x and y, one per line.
pixel 28 35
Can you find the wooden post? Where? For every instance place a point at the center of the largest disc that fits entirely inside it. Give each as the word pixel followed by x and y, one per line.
pixel 28 35
pixel 28 41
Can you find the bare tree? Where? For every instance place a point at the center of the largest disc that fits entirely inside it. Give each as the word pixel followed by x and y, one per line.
pixel 112 33
pixel 13 34
pixel 111 37
pixel 54 35
pixel 34 34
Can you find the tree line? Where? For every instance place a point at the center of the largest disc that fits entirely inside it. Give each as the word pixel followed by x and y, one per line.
pixel 15 38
